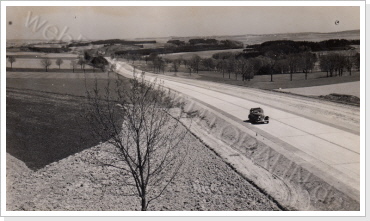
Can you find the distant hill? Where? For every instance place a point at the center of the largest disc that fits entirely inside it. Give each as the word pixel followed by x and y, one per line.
pixel 247 39
pixel 250 39
pixel 306 36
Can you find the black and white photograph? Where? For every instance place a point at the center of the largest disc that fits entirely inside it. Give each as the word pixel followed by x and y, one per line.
pixel 192 108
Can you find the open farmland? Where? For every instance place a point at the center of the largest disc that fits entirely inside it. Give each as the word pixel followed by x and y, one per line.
pixel 36 63
pixel 44 121
pixel 202 54
pixel 262 81
pixel 280 80
pixel 26 54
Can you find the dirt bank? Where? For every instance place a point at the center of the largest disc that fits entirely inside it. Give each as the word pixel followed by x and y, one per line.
pixel 205 182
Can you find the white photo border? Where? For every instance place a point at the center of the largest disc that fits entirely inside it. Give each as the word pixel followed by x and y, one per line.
pixel 4 4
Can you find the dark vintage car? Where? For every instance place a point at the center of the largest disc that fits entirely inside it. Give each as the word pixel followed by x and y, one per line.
pixel 256 115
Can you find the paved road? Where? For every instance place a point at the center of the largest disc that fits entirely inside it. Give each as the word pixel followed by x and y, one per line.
pixel 316 136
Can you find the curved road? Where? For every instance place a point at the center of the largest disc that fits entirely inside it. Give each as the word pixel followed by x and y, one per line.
pixel 322 132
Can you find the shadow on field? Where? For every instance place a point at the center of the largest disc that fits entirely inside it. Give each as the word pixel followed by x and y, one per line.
pixel 44 127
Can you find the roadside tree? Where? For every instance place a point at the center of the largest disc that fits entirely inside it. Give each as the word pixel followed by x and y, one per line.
pixel 142 124
pixel 349 63
pixel 324 64
pixel 11 60
pixel 175 65
pixel 307 62
pixel 73 65
pixel 158 64
pixel 195 63
pixel 45 63
pixel 59 62
pixel 209 64
pixel 220 66
pixel 230 66
pixel 293 64
pixel 82 63
pixel 356 61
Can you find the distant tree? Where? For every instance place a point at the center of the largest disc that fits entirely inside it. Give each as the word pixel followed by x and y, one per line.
pixel 208 63
pixel 324 64
pixel 73 65
pixel 146 58
pixel 308 62
pixel 264 66
pixel 219 66
pixel 243 68
pixel 333 63
pixel 82 63
pixel 11 60
pixel 176 65
pixel 134 57
pixel 349 62
pixel 158 64
pixel 281 66
pixel 45 62
pixel 152 56
pixel 293 63
pixel 223 55
pixel 255 65
pixel 195 62
pixel 266 69
pixel 356 61
pixel 185 62
pixel 59 62
pixel 230 66
pixel 340 63
pixel 168 61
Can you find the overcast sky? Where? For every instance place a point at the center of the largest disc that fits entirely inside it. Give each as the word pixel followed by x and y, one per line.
pixel 141 22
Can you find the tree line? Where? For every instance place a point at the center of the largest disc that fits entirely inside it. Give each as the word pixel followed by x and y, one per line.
pixel 96 62
pixel 239 67
pixel 193 45
pixel 288 46
pixel 334 63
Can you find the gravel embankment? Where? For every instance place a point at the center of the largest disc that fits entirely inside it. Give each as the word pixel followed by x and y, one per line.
pixel 205 182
